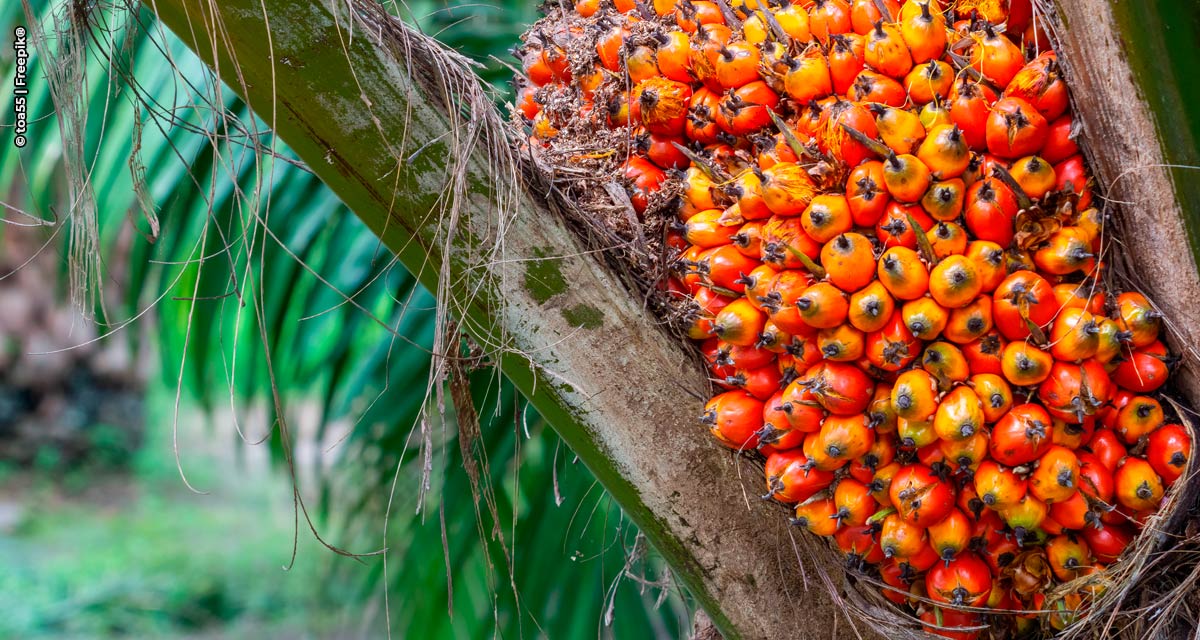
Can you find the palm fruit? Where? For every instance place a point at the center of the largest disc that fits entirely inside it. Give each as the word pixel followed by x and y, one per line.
pixel 878 224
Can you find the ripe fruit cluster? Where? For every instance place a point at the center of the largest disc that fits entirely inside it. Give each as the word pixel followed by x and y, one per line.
pixel 888 246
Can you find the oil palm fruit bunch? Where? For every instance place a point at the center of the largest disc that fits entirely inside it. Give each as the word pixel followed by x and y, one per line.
pixel 883 235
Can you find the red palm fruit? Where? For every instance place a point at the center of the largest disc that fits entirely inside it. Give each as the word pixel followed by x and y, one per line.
pixel 660 105
pixel 842 389
pixel 747 109
pixel 1069 250
pixel 1167 450
pixel 881 483
pixel 901 130
pixel 965 455
pixel 886 52
pixel 1056 477
pixel 994 394
pixel 828 17
pixel 954 282
pixel 734 417
pixel 870 86
pixel 1024 364
pixel 865 13
pixel 791 479
pixel 787 189
pixel 1002 553
pixel 805 414
pixel 950 535
pixel 737 64
pixel 1015 129
pixel 901 539
pixel 778 296
pixel 1138 418
pixel 970 105
pixel 999 487
pixel 946 363
pixel 984 355
pixel 914 395
pixel 725 266
pixel 663 151
pixel 645 179
pixel 903 274
pixel 846 53
pixel 1068 556
pixel 816 516
pixel 826 217
pixel 898 579
pixel 923 28
pixel 905 177
pixel 996 57
pixel 892 347
pixel 919 496
pixel 1075 335
pixel 739 323
pixel 1040 84
pixel 784 238
pixel 1138 487
pixel 707 304
pixel 1022 298
pixel 702 109
pixel 761 383
pixel 823 306
pixel 948 239
pixel 924 318
pixel 1107 543
pixel 895 230
pixel 915 434
pixel 1021 436
pixel 743 357
pixel 1107 447
pixel 871 307
pixel 1139 318
pixel 990 211
pixel 704 229
pixel 1059 144
pixel 964 581
pixel 702 18
pixel 527 102
pixel 1072 435
pixel 924 559
pixel 1144 369
pixel 854 503
pixel 1073 513
pixel 1071 173
pixel 808 77
pixel 1074 392
pixel 929 83
pixel 945 152
pixel 777 433
pixel 859 545
pixel 971 322
pixel 865 194
pixel 881 412
pixel 959 415
pixel 944 200
pixel 833 138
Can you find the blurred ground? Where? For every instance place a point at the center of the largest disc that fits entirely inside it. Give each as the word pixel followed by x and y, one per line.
pixel 87 554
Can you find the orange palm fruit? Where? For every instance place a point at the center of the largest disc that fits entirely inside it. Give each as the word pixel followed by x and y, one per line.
pixel 660 105
pixel 871 307
pixel 808 77
pixel 996 57
pixel 1035 176
pixel 900 129
pixel 995 394
pixel 817 516
pixel 739 323
pixel 823 306
pixel 945 152
pixel 924 318
pixel 826 217
pixel 919 496
pixel 999 487
pixel 737 64
pixel 854 503
pixel 969 323
pixel 970 106
pixel 1069 250
pixel 1023 298
pixel 847 438
pixel 1025 517
pixel 892 347
pixel 865 194
pixel 915 434
pixel 1056 477
pixel 947 239
pixel 1068 556
pixel 782 239
pixel 849 261
pixel 950 535
pixel 1075 335
pixel 828 17
pixel 1139 318
pixel 865 13
pixel 964 581
pixel 787 189
pixel 914 395
pixel 842 343
pixel 1138 487
pixel 903 274
pixel 886 52
pixel 706 229
pixel 1015 129
pixel 1141 416
pixel 846 52
pixel 965 455
pixel 794 20
pixel 1021 436
pixel 896 228
pixel 923 28
pixel 900 539
pixel 906 177
pixel 929 82
pixel 734 418
pixel 1144 369
pixel 946 363
pixel 959 415
pixel 954 282
pixel 1024 364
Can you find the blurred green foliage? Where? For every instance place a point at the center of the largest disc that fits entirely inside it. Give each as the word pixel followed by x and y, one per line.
pixel 260 281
